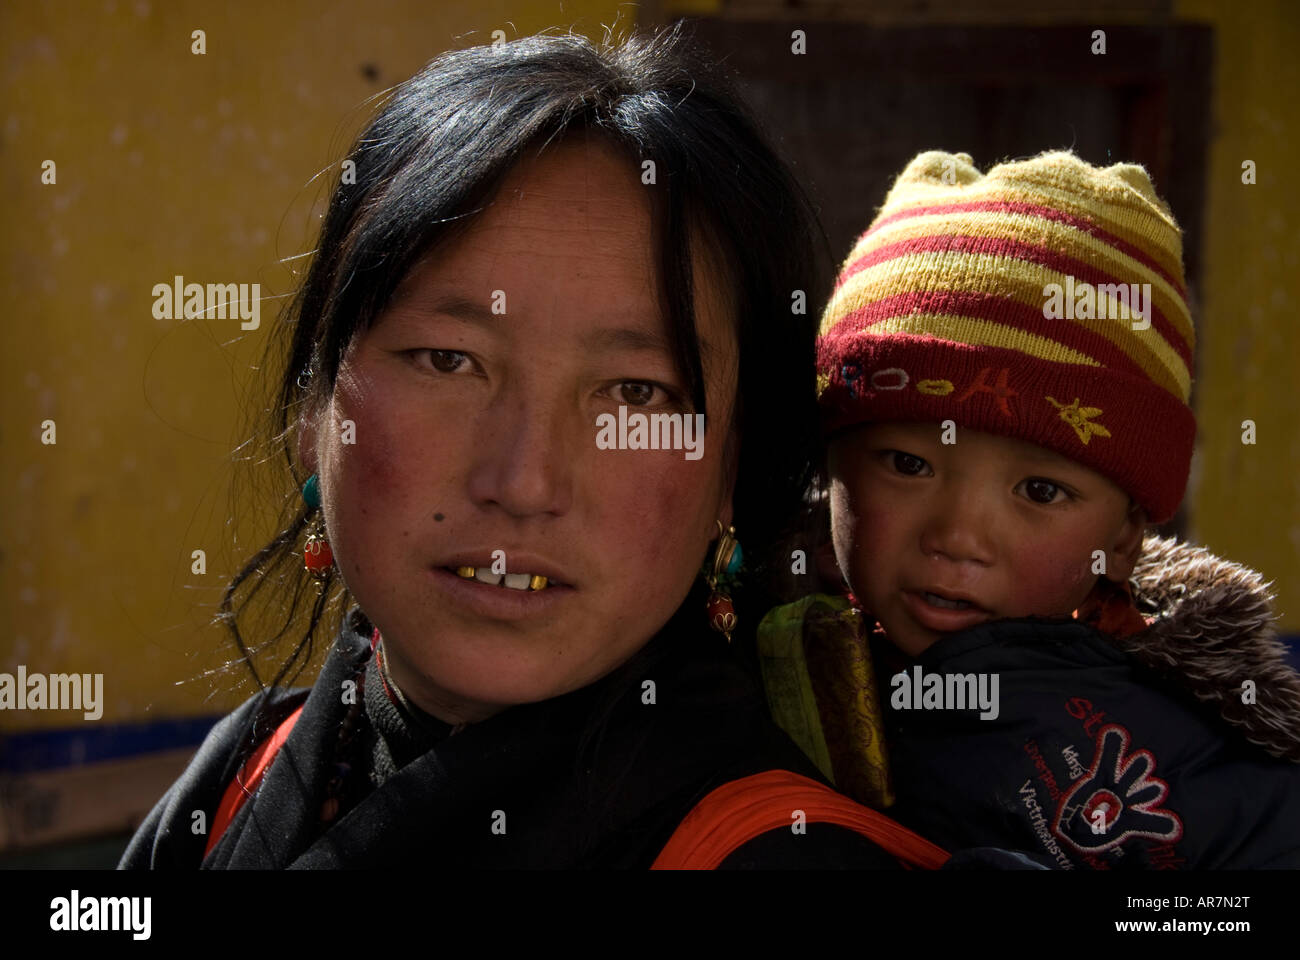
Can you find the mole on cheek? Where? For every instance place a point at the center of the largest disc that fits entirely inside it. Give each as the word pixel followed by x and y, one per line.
pixel 438 517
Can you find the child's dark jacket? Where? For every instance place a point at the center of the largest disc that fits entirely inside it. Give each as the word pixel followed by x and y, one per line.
pixel 1177 746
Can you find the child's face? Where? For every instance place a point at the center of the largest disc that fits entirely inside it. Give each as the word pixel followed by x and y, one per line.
pixel 1005 524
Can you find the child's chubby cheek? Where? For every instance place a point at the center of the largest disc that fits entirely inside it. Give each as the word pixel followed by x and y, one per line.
pixel 860 529
pixel 1049 584
pixel 858 548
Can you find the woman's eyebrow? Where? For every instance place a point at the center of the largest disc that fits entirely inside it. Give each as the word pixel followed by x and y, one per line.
pixel 601 339
pixel 451 305
pixel 610 339
pixel 616 339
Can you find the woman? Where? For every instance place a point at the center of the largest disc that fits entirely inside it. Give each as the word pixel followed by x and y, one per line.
pixel 526 239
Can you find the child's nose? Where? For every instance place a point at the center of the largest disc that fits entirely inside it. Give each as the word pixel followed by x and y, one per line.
pixel 960 528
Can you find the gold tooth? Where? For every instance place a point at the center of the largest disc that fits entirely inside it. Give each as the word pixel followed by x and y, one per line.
pixel 536 582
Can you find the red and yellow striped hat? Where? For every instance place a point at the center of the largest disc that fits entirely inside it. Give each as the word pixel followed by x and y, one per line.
pixel 1043 301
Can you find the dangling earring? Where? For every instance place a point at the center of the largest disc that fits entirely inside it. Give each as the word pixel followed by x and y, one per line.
pixel 727 558
pixel 317 556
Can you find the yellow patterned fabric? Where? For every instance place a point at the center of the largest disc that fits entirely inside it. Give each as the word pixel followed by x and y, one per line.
pixel 821 689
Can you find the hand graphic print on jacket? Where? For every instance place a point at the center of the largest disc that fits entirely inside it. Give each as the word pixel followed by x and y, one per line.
pixel 1172 743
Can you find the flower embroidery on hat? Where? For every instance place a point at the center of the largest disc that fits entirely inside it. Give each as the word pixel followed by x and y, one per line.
pixel 1078 417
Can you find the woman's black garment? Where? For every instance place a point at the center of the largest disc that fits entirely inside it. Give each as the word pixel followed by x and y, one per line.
pixel 597 778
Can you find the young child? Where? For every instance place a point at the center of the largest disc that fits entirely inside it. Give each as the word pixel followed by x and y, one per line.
pixel 1004 369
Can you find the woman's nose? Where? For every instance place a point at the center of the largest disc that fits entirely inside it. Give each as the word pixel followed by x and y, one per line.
pixel 524 453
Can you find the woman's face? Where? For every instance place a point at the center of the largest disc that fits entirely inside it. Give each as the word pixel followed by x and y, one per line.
pixel 473 402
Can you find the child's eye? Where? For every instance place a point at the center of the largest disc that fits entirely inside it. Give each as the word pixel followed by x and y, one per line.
pixel 1045 486
pixel 905 463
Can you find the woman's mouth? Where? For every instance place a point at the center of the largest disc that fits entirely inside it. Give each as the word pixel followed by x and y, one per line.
pixel 518 597
pixel 512 581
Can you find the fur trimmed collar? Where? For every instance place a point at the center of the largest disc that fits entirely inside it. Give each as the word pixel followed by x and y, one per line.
pixel 1211 630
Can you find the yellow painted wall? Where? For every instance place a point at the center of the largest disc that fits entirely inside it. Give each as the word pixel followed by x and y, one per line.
pixel 171 163
pixel 167 163
pixel 1245 500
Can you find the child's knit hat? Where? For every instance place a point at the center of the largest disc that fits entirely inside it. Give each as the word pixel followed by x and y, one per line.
pixel 1042 301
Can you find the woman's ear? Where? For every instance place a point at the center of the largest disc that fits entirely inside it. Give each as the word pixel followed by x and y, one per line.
pixel 308 434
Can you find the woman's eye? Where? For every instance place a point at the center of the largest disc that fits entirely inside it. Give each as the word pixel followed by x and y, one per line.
pixel 905 463
pixel 1044 487
pixel 445 361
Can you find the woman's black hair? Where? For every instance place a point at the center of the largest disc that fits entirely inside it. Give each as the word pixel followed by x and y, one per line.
pixel 433 157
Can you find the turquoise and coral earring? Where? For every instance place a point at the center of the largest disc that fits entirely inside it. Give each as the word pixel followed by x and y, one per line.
pixel 317 556
pixel 727 558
